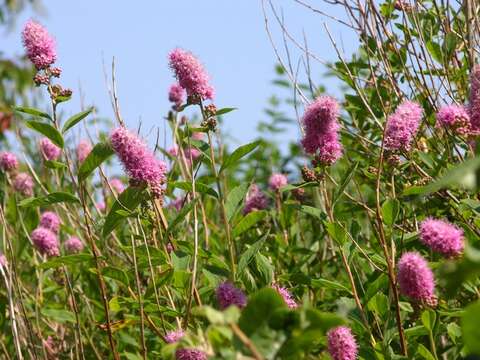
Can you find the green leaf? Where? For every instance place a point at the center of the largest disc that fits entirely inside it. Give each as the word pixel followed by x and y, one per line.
pixel 32 111
pixel 75 119
pixel 435 50
pixel 328 284
pixel 234 197
pixel 52 164
pixel 378 304
pixel 455 176
pixel 345 181
pixel 248 221
pixel 336 232
pixel 470 328
pixel 428 319
pixel 199 187
pixel 48 130
pixel 424 352
pixel 116 274
pixel 52 198
pixel 240 152
pixel 183 213
pixel 59 315
pixel 390 211
pixel 224 111
pixel 260 308
pixel 67 260
pixel 248 254
pixel 128 200
pixel 99 153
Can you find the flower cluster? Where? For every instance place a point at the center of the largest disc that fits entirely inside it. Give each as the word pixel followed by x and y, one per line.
pixel 342 344
pixel 49 150
pixel 277 181
pixel 23 184
pixel 227 295
pixel 39 44
pixel 45 241
pixel 415 278
pixel 139 162
pixel 176 94
pixel 49 220
pixel 402 126
pixel 83 149
pixel 190 354
pixel 321 126
pixel 190 74
pixel 8 161
pixel 117 185
pixel 255 200
pixel 442 237
pixel 285 294
pixel 474 105
pixel 73 245
pixel 454 118
pixel 174 336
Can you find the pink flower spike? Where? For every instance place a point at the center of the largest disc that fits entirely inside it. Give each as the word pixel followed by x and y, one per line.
pixel 190 354
pixel 139 162
pixel 228 294
pixel 23 183
pixel 277 181
pixel 402 126
pixel 442 237
pixel 50 220
pixel 474 105
pixel 83 149
pixel 49 150
pixel 39 45
pixel 174 336
pixel 321 126
pixel 415 278
pixel 454 118
pixel 190 74
pixel 73 245
pixel 176 94
pixel 8 161
pixel 45 241
pixel 255 200
pixel 342 344
pixel 285 294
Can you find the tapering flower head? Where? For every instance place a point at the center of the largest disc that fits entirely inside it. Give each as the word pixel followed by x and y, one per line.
pixel 45 241
pixel 342 344
pixel 23 183
pixel 49 220
pixel 454 118
pixel 83 149
pixel 39 44
pixel 415 278
pixel 117 185
pixel 73 245
pixel 49 150
pixel 442 237
pixel 139 162
pixel 402 126
pixel 321 126
pixel 277 181
pixel 474 105
pixel 190 74
pixel 287 297
pixel 190 354
pixel 174 335
pixel 255 200
pixel 8 161
pixel 176 94
pixel 227 295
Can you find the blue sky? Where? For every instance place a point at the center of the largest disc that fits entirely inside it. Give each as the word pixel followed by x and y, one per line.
pixel 228 36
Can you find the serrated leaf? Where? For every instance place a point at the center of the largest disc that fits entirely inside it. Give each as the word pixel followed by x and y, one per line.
pixel 75 119
pixel 248 221
pixel 47 130
pixel 240 152
pixel 52 198
pixel 99 153
pixel 128 200
pixel 32 111
pixel 248 254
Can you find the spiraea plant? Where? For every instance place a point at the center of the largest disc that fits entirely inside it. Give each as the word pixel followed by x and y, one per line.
pixel 360 241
